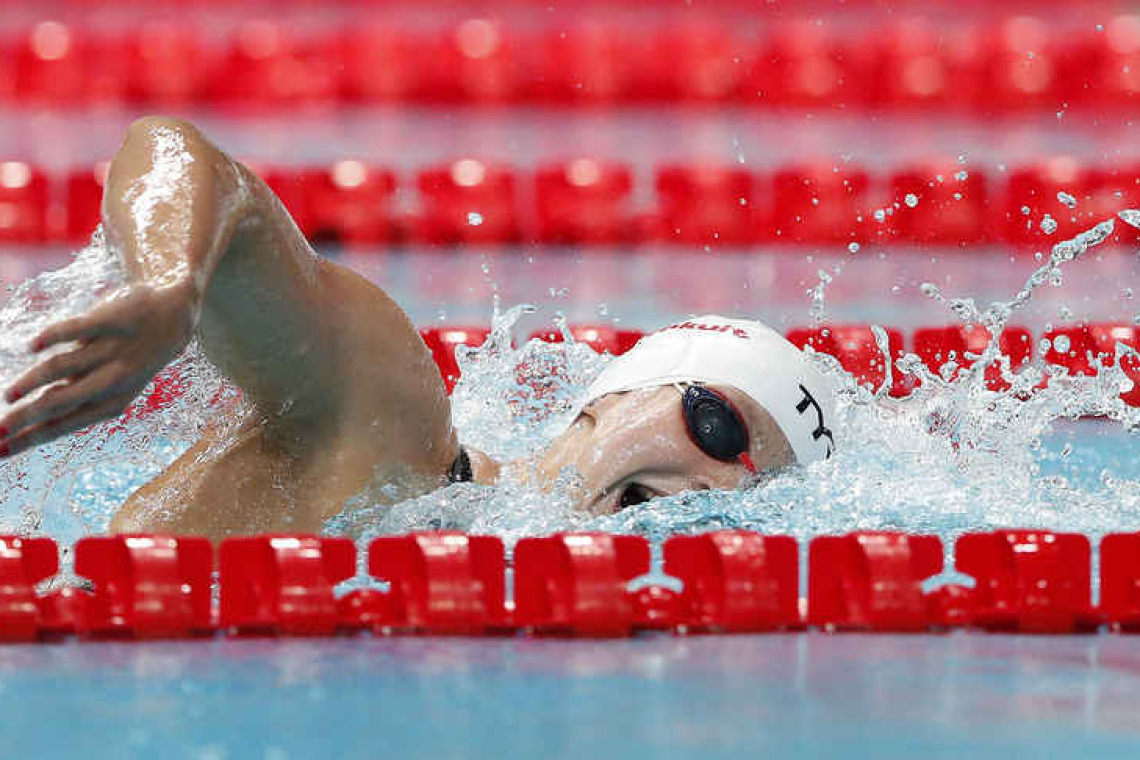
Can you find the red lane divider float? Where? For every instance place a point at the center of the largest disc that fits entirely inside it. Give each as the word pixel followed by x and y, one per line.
pixel 736 581
pixel 574 584
pixel 983 66
pixel 570 584
pixel 871 581
pixel 590 201
pixel 283 584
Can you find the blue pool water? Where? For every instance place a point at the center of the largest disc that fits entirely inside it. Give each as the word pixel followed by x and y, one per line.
pixel 788 696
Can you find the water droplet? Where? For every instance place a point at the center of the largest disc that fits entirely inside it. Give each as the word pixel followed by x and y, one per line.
pixel 1128 293
pixel 961 175
pixel 1025 210
pixel 1066 451
pixel 1067 199
pixel 1048 225
pixel 853 248
pixel 911 200
pixel 474 218
pixel 928 289
pixel 880 215
pixel 1062 344
pixel 1130 216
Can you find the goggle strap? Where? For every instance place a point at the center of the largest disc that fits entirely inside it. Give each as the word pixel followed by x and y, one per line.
pixel 746 460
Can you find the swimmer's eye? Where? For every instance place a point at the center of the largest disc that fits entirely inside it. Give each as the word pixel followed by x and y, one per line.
pixel 634 493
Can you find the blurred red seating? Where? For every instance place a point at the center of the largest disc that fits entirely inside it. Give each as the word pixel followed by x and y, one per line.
pixel 583 201
pixel 168 64
pixel 590 64
pixel 349 202
pixel 1080 348
pixel 706 204
pixel 268 65
pixel 938 345
pixel 601 338
pixel 950 204
pixel 699 63
pixel 84 201
pixel 442 342
pixel 858 353
pixel 468 201
pixel 921 65
pixel 822 203
pixel 809 64
pixel 23 203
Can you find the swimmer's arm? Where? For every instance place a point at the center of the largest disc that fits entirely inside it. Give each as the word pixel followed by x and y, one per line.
pixel 211 252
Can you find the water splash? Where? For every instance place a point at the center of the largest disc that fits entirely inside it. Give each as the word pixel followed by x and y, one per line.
pixel 954 456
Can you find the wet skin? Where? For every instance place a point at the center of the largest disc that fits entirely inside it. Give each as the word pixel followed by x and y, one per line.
pixel 341 387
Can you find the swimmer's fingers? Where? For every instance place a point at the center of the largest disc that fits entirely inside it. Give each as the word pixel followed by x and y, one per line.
pixel 78 419
pixel 75 363
pixel 60 400
pixel 105 319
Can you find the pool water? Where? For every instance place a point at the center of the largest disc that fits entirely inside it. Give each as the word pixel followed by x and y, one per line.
pixel 810 695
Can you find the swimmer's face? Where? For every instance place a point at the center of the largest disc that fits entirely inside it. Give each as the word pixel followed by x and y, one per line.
pixel 630 447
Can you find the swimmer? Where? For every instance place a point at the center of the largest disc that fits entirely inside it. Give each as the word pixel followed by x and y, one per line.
pixel 341 386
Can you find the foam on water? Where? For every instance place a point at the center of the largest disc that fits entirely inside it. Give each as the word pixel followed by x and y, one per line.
pixel 953 457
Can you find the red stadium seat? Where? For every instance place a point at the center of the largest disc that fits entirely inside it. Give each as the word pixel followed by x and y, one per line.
pixel 855 348
pixel 167 63
pixel 23 203
pixel 442 342
pixel 583 201
pixel 806 64
pixel 708 204
pixel 589 64
pixel 383 63
pixel 699 63
pixel 602 338
pixel 468 201
pixel 266 65
pixel 349 202
pixel 824 203
pixel 56 64
pixel 938 345
pixel 941 202
pixel 921 65
pixel 84 201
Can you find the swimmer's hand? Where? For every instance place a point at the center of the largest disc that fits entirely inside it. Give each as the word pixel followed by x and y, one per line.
pixel 119 346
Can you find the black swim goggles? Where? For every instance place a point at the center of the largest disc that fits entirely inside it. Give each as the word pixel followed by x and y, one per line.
pixel 715 425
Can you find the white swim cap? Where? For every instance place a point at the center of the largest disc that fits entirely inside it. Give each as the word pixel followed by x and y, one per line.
pixel 742 354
